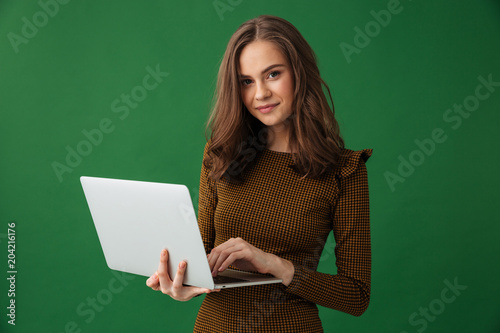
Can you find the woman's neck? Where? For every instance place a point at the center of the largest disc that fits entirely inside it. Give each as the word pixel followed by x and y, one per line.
pixel 278 139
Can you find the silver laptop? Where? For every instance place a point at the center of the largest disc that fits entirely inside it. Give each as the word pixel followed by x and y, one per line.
pixel 135 220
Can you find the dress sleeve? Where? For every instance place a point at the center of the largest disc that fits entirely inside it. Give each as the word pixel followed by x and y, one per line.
pixel 206 206
pixel 349 290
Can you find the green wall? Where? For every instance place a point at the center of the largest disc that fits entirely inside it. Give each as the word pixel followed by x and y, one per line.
pixel 412 88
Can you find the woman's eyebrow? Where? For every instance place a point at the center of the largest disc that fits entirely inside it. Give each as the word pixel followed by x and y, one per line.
pixel 265 70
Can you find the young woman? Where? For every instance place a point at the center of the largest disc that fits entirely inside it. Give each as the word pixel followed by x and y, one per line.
pixel 275 180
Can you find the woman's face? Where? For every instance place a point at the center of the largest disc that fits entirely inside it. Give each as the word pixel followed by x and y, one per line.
pixel 266 84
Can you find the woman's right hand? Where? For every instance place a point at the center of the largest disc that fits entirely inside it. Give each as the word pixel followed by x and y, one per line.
pixel 161 281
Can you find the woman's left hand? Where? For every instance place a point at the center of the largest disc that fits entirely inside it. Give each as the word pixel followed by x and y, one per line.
pixel 245 256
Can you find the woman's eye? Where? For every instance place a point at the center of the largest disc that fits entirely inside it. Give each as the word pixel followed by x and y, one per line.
pixel 246 82
pixel 274 74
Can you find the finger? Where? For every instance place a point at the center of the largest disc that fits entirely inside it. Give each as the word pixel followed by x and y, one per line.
pixel 219 254
pixel 214 253
pixel 199 291
pixel 163 277
pixel 223 257
pixel 179 277
pixel 230 260
pixel 153 281
pixel 214 260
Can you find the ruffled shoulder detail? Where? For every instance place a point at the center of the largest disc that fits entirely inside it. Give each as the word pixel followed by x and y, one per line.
pixel 350 159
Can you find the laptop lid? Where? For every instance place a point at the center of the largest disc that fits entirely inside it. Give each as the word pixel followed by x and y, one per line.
pixel 135 220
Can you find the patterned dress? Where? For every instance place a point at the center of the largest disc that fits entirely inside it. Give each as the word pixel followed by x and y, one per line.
pixel 277 212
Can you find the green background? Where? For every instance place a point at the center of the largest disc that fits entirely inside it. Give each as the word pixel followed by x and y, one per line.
pixel 440 224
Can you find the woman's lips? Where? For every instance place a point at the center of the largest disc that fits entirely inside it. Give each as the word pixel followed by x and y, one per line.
pixel 267 108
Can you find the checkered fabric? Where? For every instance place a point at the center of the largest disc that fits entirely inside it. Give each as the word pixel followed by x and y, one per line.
pixel 277 212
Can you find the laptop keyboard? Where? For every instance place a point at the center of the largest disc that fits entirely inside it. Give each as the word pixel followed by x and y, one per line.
pixel 219 279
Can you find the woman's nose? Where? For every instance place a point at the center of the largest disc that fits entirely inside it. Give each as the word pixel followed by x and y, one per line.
pixel 262 92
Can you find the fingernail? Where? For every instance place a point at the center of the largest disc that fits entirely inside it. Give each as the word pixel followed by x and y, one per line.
pixel 182 264
pixel 163 252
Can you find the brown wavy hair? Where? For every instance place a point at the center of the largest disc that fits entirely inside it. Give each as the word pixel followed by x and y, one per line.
pixel 237 137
